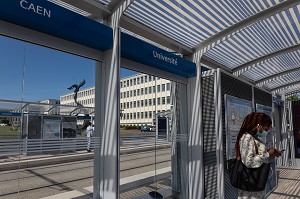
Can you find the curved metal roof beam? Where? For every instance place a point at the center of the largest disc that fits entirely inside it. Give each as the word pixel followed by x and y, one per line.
pixel 280 88
pixel 268 79
pixel 249 65
pixel 234 29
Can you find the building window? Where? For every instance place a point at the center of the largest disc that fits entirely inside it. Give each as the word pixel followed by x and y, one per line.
pixel 153 114
pixel 121 84
pixel 158 88
pixel 163 88
pixel 153 89
pixel 163 100
pixel 130 104
pixel 127 104
pixel 150 114
pixel 142 80
pixel 134 81
pixel 127 83
pixel 131 82
pixel 127 93
pixel 150 78
pixel 134 104
pixel 138 103
pixel 150 90
pixel 146 78
pixel 142 115
pixel 154 101
pixel 146 114
pixel 134 115
pixel 146 102
pixel 138 115
pixel 138 92
pixel 168 86
pixel 130 93
pixel 168 99
pixel 134 93
pixel 150 102
pixel 138 80
pixel 158 101
pixel 142 103
pixel 146 91
pixel 142 91
pixel 127 116
pixel 131 116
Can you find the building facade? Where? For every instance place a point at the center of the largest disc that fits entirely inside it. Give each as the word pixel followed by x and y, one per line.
pixel 141 98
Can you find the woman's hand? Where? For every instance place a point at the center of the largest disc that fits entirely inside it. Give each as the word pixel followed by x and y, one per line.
pixel 274 152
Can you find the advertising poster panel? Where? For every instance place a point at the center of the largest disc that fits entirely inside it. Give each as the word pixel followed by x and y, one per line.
pixel 269 142
pixel 236 110
pixel 51 129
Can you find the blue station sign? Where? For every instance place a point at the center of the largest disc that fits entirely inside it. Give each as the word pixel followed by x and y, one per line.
pixel 51 19
pixel 54 20
pixel 142 52
pixel 9 114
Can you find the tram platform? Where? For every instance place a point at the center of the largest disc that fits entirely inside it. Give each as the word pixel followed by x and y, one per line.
pixel 288 184
pixel 288 187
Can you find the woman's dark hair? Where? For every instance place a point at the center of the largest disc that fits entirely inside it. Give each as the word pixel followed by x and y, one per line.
pixel 250 122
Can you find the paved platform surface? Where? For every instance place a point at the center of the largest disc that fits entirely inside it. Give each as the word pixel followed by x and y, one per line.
pixel 288 187
pixel 288 184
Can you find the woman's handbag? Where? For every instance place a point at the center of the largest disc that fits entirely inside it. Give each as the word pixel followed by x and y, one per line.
pixel 248 179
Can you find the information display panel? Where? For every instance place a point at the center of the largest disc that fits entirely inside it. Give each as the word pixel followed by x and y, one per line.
pixel 51 129
pixel 236 110
pixel 269 142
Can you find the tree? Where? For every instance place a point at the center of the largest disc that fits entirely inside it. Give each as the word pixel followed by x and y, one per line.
pixel 293 98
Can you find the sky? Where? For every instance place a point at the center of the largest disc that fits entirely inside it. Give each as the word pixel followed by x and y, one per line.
pixel 32 73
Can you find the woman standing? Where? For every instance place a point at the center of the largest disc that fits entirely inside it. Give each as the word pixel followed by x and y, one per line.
pixel 251 150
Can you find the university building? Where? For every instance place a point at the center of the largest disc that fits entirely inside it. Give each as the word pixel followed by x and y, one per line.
pixel 141 98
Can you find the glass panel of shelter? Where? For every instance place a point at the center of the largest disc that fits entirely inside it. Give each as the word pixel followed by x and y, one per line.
pixel 52 104
pixel 146 121
pixel 12 67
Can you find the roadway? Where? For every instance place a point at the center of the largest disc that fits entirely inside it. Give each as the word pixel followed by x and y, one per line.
pixel 45 181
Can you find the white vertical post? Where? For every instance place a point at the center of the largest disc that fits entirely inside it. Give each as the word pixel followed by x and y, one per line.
pixel 291 134
pixel 195 143
pixel 108 115
pixel 219 134
pixel 99 120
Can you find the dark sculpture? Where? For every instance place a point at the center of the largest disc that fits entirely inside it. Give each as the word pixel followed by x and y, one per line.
pixel 81 107
pixel 77 87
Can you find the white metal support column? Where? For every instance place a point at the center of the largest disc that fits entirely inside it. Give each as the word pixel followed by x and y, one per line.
pixel 291 134
pixel 106 164
pixel 285 138
pixel 107 159
pixel 195 143
pixel 219 134
pixel 179 137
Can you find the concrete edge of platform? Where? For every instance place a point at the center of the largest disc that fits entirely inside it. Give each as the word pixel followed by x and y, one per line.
pixel 127 183
pixel 44 161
